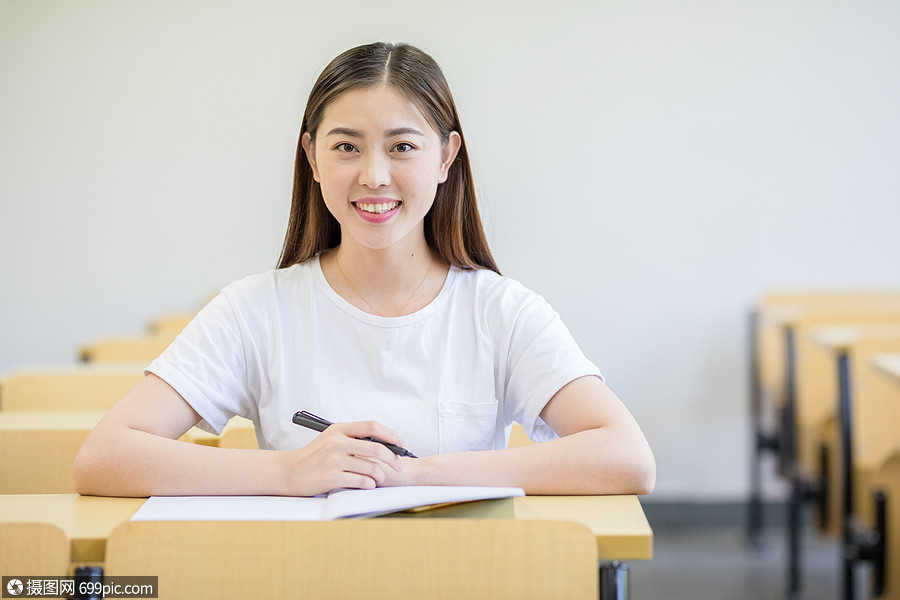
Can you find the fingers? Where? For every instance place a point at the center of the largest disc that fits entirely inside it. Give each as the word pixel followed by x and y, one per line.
pixel 367 448
pixel 337 459
pixel 361 429
pixel 363 473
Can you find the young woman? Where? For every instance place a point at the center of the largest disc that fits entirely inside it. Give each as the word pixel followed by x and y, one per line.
pixel 387 316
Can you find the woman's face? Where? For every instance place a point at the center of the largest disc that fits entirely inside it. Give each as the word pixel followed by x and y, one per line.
pixel 378 162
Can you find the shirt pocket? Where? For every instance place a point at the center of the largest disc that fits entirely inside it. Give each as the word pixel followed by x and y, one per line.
pixel 467 426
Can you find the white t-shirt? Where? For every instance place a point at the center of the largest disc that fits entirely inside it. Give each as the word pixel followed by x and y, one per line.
pixel 449 377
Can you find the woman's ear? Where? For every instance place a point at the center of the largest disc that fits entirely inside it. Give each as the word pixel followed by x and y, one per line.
pixel 448 154
pixel 310 148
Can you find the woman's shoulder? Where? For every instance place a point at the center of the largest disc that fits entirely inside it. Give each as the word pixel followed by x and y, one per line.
pixel 489 288
pixel 273 282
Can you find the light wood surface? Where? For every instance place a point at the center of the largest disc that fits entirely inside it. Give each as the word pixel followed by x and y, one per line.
pixel 617 523
pixel 815 368
pixel 33 549
pixel 873 432
pixel 171 324
pixel 779 309
pixel 87 521
pixel 518 437
pixel 237 433
pixel 843 337
pixel 140 349
pixel 68 387
pixel 381 558
pixel 876 433
pixel 889 364
pixel 38 448
pixel 888 480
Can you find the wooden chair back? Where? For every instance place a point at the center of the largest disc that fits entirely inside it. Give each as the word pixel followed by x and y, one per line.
pixel 33 549
pixel 351 559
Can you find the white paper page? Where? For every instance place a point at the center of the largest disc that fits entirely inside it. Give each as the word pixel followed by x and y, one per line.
pixel 230 508
pixel 370 503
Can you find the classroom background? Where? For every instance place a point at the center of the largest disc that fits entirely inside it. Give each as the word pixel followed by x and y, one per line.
pixel 651 168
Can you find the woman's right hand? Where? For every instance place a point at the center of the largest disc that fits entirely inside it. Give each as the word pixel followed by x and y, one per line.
pixel 337 459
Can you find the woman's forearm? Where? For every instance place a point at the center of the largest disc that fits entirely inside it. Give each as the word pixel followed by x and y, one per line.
pixel 596 461
pixel 128 462
pixel 117 460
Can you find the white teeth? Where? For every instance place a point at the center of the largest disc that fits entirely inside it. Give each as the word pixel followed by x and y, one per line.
pixel 378 208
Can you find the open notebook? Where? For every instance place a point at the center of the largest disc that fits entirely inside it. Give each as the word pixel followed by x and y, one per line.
pixel 339 504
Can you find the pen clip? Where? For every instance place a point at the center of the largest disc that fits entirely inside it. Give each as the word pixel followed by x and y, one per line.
pixel 313 417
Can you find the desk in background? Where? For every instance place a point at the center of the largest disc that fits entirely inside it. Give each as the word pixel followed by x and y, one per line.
pixel 37 448
pixel 68 387
pixel 793 374
pixel 887 481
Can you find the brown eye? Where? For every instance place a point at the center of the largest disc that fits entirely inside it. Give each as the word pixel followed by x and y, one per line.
pixel 404 147
pixel 345 147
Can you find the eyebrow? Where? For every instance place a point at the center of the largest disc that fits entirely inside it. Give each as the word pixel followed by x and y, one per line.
pixel 389 133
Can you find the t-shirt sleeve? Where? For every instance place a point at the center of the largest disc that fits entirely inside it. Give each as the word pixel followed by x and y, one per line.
pixel 542 357
pixel 206 364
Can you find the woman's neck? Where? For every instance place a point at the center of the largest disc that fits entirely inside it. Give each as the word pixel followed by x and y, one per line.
pixel 389 282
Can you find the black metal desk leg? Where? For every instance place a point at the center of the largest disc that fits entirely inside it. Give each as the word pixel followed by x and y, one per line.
pixel 754 509
pixel 794 531
pixel 614 581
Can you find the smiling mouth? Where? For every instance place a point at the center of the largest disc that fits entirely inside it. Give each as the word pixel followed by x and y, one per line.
pixel 377 208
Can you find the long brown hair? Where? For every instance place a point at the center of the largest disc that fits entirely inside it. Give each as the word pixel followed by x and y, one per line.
pixel 453 226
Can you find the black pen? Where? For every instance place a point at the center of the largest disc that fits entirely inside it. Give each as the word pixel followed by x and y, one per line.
pixel 311 421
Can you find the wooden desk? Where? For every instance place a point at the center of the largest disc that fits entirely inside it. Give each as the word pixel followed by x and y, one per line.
pixel 617 522
pixel 37 448
pixel 171 324
pixel 780 311
pixel 141 348
pixel 86 520
pixel 887 480
pixel 858 432
pixel 888 364
pixel 790 372
pixel 68 387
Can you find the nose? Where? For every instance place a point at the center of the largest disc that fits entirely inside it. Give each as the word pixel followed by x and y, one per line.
pixel 374 170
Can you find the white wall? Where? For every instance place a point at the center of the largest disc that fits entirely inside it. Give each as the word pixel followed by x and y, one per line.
pixel 650 167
